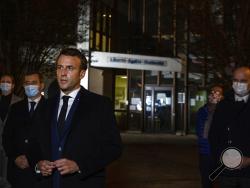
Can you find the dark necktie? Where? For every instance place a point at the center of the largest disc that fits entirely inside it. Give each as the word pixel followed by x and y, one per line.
pixel 62 115
pixel 32 108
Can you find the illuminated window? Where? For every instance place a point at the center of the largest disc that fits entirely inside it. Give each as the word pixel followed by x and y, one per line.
pixel 97 44
pixel 104 43
pixel 91 39
pixel 121 92
pixel 109 44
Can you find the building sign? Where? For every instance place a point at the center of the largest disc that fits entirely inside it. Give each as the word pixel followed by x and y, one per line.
pixel 138 62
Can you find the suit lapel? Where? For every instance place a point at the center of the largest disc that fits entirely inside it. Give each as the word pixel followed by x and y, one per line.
pixel 26 108
pixel 51 122
pixel 78 110
pixel 77 113
pixel 80 113
pixel 68 123
pixel 38 106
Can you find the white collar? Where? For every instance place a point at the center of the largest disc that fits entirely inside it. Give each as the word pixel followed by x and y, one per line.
pixel 72 94
pixel 244 98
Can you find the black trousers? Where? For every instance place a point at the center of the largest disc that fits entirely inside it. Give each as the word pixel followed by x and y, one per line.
pixel 234 182
pixel 205 169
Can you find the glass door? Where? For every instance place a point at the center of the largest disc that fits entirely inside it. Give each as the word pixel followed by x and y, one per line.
pixel 158 109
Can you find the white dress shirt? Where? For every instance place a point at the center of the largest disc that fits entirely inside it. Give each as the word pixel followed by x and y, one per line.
pixel 70 102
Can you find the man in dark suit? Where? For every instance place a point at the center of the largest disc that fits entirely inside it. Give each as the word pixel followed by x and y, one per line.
pixel 76 137
pixel 17 132
pixel 230 129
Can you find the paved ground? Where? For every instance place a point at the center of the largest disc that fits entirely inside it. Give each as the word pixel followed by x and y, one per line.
pixel 156 161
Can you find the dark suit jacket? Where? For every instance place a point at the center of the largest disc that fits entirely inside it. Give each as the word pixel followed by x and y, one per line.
pixel 16 137
pixel 93 141
pixel 230 128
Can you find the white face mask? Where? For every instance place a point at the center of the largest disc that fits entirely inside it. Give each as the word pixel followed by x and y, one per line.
pixel 5 88
pixel 240 89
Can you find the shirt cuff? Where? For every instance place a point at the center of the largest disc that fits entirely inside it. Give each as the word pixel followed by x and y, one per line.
pixel 37 170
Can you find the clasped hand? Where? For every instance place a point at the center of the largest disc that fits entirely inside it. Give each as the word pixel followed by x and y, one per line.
pixel 22 162
pixel 64 166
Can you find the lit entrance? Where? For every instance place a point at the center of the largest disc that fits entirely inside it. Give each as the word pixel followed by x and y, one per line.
pixel 158 109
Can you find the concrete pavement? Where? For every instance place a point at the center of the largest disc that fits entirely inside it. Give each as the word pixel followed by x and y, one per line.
pixel 156 161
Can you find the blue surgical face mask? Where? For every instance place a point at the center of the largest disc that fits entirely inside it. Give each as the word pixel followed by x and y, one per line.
pixel 31 90
pixel 5 88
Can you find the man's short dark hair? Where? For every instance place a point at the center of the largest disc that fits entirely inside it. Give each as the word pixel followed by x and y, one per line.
pixel 9 75
pixel 75 53
pixel 40 76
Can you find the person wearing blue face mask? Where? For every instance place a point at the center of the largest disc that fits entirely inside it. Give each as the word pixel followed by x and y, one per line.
pixel 6 100
pixel 230 129
pixel 17 132
pixel 7 85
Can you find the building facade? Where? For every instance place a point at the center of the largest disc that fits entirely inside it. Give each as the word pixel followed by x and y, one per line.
pixel 147 100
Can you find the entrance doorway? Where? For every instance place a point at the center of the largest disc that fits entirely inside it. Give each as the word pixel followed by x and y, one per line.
pixel 158 110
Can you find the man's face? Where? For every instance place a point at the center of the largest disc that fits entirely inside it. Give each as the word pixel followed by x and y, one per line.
pixel 242 76
pixel 69 73
pixel 33 80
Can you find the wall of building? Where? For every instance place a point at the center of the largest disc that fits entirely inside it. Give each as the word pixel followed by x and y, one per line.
pixel 101 82
pixel 96 80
